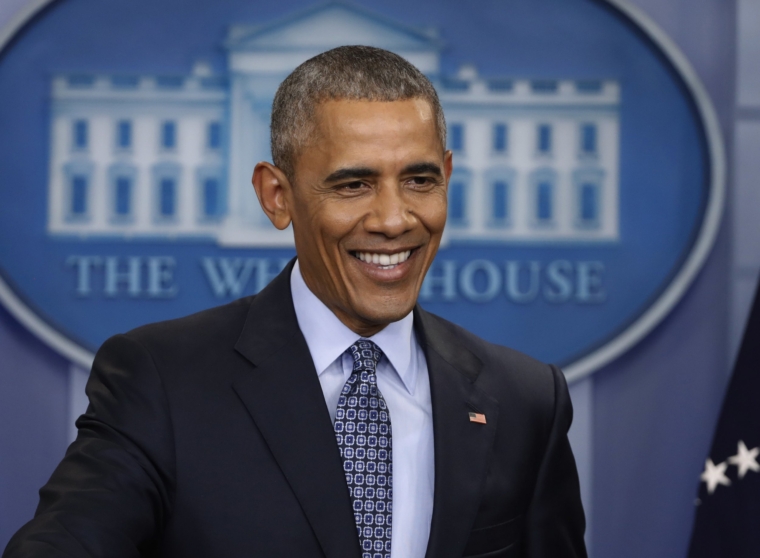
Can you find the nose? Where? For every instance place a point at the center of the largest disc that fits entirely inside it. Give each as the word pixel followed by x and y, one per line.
pixel 391 213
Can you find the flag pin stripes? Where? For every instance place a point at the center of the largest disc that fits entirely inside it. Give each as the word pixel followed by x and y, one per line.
pixel 480 418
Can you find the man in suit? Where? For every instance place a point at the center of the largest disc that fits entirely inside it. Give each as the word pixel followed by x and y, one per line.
pixel 329 415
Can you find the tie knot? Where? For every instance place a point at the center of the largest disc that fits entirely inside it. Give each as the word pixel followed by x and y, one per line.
pixel 366 355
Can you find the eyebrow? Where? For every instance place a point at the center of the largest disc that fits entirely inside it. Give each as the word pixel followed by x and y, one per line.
pixel 352 172
pixel 423 168
pixel 367 172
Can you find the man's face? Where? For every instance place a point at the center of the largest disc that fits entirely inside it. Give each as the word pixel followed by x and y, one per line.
pixel 368 207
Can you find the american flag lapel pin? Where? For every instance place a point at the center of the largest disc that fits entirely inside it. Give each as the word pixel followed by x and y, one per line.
pixel 480 418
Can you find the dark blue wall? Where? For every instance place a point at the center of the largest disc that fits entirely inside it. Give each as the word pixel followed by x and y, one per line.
pixel 33 420
pixel 653 419
pixel 655 407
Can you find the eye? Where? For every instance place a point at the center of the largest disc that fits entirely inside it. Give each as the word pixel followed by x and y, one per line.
pixel 420 181
pixel 353 186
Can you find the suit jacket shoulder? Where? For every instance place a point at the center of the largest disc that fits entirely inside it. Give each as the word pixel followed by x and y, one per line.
pixel 503 372
pixel 192 336
pixel 529 499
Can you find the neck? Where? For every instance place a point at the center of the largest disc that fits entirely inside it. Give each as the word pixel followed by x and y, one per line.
pixel 352 322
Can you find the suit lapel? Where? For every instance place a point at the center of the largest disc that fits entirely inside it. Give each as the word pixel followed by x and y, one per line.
pixel 283 396
pixel 462 448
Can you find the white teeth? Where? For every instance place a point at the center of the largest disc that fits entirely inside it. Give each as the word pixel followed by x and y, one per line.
pixel 384 260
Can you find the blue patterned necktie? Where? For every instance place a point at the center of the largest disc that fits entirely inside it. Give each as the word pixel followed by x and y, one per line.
pixel 363 430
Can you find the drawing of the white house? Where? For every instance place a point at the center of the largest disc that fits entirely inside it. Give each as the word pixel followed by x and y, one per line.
pixel 165 156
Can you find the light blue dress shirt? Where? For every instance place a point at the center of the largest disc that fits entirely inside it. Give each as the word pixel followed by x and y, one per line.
pixel 402 377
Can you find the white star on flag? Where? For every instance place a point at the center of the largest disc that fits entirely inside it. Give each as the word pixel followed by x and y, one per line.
pixel 745 459
pixel 715 475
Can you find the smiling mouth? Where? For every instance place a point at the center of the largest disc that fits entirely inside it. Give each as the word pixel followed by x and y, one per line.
pixel 383 261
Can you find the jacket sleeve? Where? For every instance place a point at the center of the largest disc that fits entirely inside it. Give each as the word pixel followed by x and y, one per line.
pixel 112 492
pixel 555 522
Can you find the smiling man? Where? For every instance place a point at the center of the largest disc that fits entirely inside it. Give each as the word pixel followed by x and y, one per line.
pixel 329 415
pixel 367 200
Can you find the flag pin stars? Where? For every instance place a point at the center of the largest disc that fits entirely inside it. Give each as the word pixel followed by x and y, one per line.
pixel 745 460
pixel 715 475
pixel 480 418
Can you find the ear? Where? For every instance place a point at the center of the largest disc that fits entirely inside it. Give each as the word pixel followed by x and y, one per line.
pixel 273 190
pixel 448 164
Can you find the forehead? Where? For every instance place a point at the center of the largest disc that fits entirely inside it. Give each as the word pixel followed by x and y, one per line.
pixel 374 129
pixel 350 111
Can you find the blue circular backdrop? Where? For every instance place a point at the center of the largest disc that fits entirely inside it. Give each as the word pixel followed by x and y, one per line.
pixel 663 165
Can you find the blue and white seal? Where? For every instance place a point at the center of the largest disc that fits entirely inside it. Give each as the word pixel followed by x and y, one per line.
pixel 587 191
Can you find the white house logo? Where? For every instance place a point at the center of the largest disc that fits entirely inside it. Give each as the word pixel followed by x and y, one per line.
pixel 571 208
pixel 537 161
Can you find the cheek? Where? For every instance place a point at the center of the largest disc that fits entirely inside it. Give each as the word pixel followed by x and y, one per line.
pixel 432 213
pixel 315 220
pixel 330 225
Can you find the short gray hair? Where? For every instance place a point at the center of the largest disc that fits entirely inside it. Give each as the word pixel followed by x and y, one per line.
pixel 347 72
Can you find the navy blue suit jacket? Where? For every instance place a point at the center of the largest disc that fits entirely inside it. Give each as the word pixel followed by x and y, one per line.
pixel 210 436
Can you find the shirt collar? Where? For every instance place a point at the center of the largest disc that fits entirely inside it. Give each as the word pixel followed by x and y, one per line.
pixel 328 338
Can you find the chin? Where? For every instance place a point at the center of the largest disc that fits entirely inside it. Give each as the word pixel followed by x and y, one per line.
pixel 383 313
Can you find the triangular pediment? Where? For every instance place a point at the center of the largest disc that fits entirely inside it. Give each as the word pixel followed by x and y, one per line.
pixel 329 25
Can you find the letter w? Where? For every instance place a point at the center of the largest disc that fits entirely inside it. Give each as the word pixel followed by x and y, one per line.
pixel 228 276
